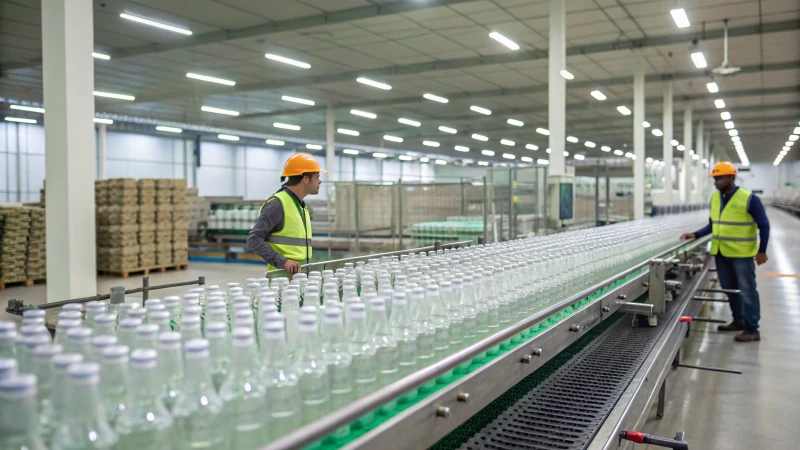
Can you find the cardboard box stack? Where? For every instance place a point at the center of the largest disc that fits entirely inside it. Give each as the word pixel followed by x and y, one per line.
pixel 147 222
pixel 15 222
pixel 117 208
pixel 199 209
pixel 180 222
pixel 163 234
pixel 36 261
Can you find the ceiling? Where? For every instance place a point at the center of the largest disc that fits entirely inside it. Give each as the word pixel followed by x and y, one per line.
pixel 432 46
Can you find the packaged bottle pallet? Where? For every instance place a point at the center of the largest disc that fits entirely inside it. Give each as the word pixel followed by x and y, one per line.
pixel 13 243
pixel 36 261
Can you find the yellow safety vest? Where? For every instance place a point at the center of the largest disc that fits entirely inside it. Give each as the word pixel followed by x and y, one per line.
pixel 293 240
pixel 733 230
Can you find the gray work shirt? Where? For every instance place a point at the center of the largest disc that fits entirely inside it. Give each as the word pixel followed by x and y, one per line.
pixel 270 220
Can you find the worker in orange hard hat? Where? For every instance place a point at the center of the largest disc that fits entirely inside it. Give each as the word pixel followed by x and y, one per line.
pixel 737 221
pixel 282 235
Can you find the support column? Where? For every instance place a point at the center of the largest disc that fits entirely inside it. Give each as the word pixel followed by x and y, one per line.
pixel 101 151
pixel 330 145
pixel 68 79
pixel 699 179
pixel 667 143
pixel 687 155
pixel 638 139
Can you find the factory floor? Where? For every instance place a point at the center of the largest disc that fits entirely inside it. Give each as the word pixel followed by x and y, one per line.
pixel 758 409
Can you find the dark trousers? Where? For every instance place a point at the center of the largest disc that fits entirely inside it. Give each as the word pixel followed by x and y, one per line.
pixel 740 273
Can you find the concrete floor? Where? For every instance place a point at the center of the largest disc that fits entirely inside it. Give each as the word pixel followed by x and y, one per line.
pixel 759 409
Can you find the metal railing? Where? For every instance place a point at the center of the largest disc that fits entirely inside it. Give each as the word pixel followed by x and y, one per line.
pixel 323 427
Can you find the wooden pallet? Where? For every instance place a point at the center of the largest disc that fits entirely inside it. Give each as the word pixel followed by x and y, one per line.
pixel 27 283
pixel 143 270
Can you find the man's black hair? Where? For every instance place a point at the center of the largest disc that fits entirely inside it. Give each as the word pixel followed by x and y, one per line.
pixel 296 179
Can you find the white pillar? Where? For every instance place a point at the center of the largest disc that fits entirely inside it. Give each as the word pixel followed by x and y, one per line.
pixel 557 95
pixel 687 155
pixel 700 174
pixel 101 151
pixel 68 79
pixel 638 139
pixel 667 143
pixel 330 145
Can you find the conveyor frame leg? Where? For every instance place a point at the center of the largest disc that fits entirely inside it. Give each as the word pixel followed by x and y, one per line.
pixel 662 399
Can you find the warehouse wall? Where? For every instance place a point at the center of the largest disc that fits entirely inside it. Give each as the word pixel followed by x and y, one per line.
pixel 225 170
pixel 771 179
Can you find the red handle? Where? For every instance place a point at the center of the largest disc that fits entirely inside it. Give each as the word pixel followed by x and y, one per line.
pixel 685 319
pixel 634 436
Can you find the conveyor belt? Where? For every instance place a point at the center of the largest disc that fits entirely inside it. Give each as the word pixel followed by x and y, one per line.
pixel 565 411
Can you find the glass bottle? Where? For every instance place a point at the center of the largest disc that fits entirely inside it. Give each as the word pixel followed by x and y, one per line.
pixel 290 307
pixel 244 394
pixel 160 318
pixel 364 368
pixel 79 340
pixel 219 348
pixel 84 424
pixel 312 371
pixel 19 420
pixel 191 328
pixel 126 331
pixel 439 317
pixel 170 366
pixel 173 305
pixel 100 343
pixel 283 402
pixel 405 334
pixel 8 339
pixel 146 336
pixel 42 367
pixel 200 421
pixel 425 331
pixel 104 325
pixel 50 418
pixel 92 309
pixel 338 360
pixel 8 367
pixel 465 295
pixel 114 382
pixel 384 342
pixel 26 346
pixel 145 422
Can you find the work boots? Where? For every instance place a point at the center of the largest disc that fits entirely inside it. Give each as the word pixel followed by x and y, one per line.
pixel 730 327
pixel 748 337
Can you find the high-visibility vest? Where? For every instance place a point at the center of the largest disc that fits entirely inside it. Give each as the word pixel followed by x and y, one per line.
pixel 293 240
pixel 733 230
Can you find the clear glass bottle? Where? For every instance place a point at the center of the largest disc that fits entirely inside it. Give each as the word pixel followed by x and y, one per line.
pixel 170 366
pixel 363 351
pixel 8 367
pixel 173 305
pixel 100 343
pixel 114 382
pixel 338 360
pixel 160 318
pixel 200 421
pixel 145 422
pixel 219 349
pixel 283 402
pixel 425 331
pixel 124 308
pixel 384 342
pixel 439 317
pixel 19 420
pixel 405 334
pixel 104 325
pixel 27 344
pixel 465 294
pixel 146 336
pixel 43 369
pixel 244 394
pixel 92 309
pixel 312 371
pixel 84 424
pixel 191 328
pixel 8 339
pixel 79 340
pixel 290 307
pixel 126 331
pixel 50 418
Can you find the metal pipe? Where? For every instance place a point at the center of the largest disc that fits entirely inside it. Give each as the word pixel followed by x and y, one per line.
pixel 324 426
pixel 710 369
pixel 721 291
pixel 643 309
pixel 709 299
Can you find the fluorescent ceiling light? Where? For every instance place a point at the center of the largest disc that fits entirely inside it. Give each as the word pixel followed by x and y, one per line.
pixel 566 153
pixel 509 156
pixel 20 120
pixel 719 103
pixel 646 124
pixel 548 151
pixel 435 98
pixel 618 152
pixel 680 17
pixel 286 126
pixel 380 155
pixel 113 95
pixel 480 110
pixel 736 138
pixel 579 157
pixel 543 161
pixel 657 132
pixel 504 40
pixel 103 121
pixel 789 143
pixel 302 101
pixel 526 159
pixel 348 132
pixel 572 139
pixel 712 87
pixel 629 155
pixel 590 144
pixel 228 137
pixel 368 115
pixel 624 110
pixel 441 162
pixel 793 137
pixel 227 112
pixel 210 79
pixel 461 148
pixel 487 152
pixel 100 56
pixel 699 60
pixel 480 137
pixel 430 143
pixel 515 122
pixel 648 159
pixel 508 142
pixel 673 143
pixel 447 129
pixel 373 83
pixel 605 148
pixel 725 115
pixel 786 148
pixel 733 132
pixel 599 95
pixel 28 108
pixel 532 147
pixel 405 121
pixel 695 157
pixel 286 60
pixel 729 125
pixel 566 74
pixel 483 163
pixel 543 131
pixel 153 23
pixel 350 151
pixel 389 137
pixel 424 159
pixel 275 142
pixel 313 147
pixel 796 130
pixel 169 129
pixel 681 147
pixel 405 158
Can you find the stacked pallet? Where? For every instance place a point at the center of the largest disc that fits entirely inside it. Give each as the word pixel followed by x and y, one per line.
pixel 117 208
pixel 147 222
pixel 163 238
pixel 41 193
pixel 36 260
pixel 15 222
pixel 198 210
pixel 180 222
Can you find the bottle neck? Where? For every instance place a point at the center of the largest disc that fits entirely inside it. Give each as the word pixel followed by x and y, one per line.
pixel 357 330
pixel 144 385
pixel 243 359
pixel 83 404
pixel 401 315
pixel 18 416
pixel 273 352
pixel 333 336
pixel 307 343
pixel 170 362
pixel 198 374
pixel 378 323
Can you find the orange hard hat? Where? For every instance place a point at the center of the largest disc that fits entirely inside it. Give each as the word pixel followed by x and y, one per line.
pixel 301 163
pixel 723 168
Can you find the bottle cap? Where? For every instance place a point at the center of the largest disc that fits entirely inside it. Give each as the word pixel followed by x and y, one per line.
pixel 115 353
pixel 216 329
pixel 95 306
pixel 19 385
pixel 149 330
pixel 357 310
pixel 33 313
pixel 84 373
pixel 196 348
pixel 101 342
pixel 72 307
pixel 172 301
pixel 169 340
pixel 105 319
pixel 128 324
pixel 64 360
pixel 79 334
pixel 194 310
pixel 144 358
pixel 8 367
pixel 190 322
pixel 243 336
